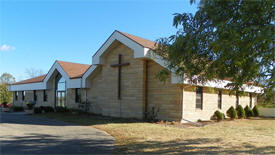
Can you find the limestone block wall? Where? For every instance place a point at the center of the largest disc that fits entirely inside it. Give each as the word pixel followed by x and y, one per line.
pixel 29 97
pixel 104 85
pixel 210 103
pixel 166 97
pixel 70 98
pixel 19 101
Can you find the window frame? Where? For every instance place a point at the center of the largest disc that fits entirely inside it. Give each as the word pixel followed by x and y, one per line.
pixel 220 99
pixel 16 95
pixel 199 90
pixel 250 100
pixel 34 95
pixel 77 95
pixel 237 100
pixel 23 95
pixel 45 95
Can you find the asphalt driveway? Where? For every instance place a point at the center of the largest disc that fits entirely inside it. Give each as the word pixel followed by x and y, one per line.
pixel 25 134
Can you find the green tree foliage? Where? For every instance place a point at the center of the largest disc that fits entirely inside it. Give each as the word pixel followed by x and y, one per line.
pixel 5 80
pixel 240 111
pixel 231 112
pixel 224 39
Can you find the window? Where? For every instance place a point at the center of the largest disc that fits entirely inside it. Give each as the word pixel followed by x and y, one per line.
pixel 34 95
pixel 16 95
pixel 220 99
pixel 237 100
pixel 250 100
pixel 45 95
pixel 199 98
pixel 77 95
pixel 23 95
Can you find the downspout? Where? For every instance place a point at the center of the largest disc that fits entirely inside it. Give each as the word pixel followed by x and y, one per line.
pixel 146 91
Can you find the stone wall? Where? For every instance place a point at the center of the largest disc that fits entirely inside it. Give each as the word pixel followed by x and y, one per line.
pixel 29 97
pixel 166 97
pixel 210 102
pixel 70 98
pixel 104 85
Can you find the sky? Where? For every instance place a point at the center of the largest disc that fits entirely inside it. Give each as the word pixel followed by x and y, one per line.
pixel 33 34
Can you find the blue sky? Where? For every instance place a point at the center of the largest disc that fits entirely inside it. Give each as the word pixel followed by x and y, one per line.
pixel 33 34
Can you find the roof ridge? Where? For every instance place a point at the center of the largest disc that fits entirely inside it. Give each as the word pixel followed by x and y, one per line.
pixel 139 40
pixel 71 62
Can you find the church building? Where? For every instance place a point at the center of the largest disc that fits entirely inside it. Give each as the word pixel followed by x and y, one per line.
pixel 121 82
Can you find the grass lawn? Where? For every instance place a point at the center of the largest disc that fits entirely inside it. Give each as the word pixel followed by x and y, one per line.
pixel 238 137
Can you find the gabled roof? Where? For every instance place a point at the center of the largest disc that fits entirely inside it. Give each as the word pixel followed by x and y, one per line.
pixel 73 70
pixel 143 42
pixel 31 80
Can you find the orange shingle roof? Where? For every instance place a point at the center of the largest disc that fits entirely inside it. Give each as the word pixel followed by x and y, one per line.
pixel 143 42
pixel 73 70
pixel 32 80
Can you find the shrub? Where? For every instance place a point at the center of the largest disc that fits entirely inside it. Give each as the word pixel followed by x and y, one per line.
pixel 256 111
pixel 17 109
pixel 4 104
pixel 61 109
pixel 47 109
pixel 223 115
pixel 248 111
pixel 218 115
pixel 152 116
pixel 37 110
pixel 231 112
pixel 240 111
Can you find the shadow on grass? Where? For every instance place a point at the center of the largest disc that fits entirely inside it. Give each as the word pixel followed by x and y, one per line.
pixel 190 146
pixel 48 144
pixel 61 119
pixel 88 119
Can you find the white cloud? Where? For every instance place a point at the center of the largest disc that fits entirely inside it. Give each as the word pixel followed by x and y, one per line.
pixel 5 47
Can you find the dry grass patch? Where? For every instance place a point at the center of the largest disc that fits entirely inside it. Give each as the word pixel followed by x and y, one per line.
pixel 238 137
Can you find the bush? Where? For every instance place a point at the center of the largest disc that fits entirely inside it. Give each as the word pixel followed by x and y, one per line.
pixel 240 111
pixel 218 115
pixel 37 110
pixel 61 109
pixel 17 109
pixel 4 104
pixel 223 115
pixel 47 109
pixel 256 111
pixel 248 111
pixel 231 112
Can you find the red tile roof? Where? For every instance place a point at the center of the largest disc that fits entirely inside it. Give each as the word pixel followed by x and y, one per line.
pixel 73 70
pixel 32 80
pixel 143 42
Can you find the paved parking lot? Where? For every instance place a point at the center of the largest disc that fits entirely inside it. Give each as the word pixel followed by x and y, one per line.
pixel 26 134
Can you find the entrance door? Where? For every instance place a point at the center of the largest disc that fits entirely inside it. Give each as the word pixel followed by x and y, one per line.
pixel 60 98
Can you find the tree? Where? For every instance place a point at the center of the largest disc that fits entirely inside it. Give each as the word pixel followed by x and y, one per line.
pixel 5 80
pixel 232 39
pixel 32 72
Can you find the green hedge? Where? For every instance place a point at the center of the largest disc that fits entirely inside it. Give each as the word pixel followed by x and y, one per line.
pixel 256 111
pixel 248 111
pixel 17 108
pixel 240 111
pixel 231 112
pixel 218 115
